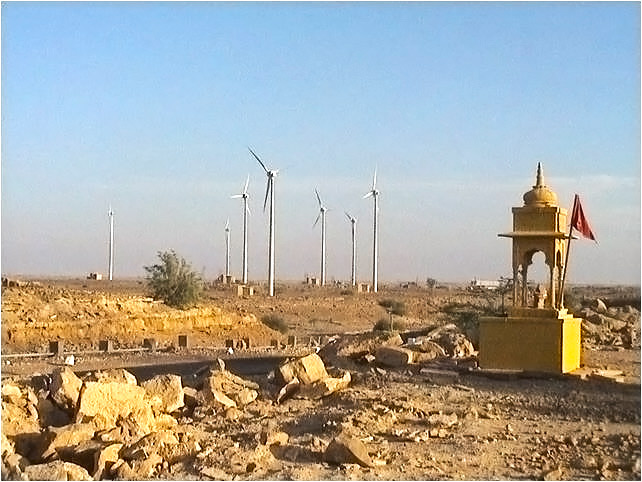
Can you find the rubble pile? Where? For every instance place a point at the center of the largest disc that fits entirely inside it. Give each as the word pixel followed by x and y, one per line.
pixel 610 326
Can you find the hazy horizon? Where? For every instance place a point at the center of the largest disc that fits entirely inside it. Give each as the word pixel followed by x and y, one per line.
pixel 151 107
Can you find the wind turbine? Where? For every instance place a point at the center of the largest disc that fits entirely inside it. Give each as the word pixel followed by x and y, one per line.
pixel 322 211
pixel 227 249
pixel 269 191
pixel 246 210
pixel 111 244
pixel 375 246
pixel 353 272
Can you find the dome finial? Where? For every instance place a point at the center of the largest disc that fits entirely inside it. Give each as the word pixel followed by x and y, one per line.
pixel 540 195
pixel 540 176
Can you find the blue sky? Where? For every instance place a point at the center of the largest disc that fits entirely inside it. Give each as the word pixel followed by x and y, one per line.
pixel 151 107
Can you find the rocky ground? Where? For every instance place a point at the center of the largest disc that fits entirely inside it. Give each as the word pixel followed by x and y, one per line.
pixel 371 405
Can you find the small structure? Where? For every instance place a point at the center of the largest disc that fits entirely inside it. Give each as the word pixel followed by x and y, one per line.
pixel 537 333
pixel 363 288
pixel 312 280
pixel 244 290
pixel 96 276
pixel 483 285
pixel 226 279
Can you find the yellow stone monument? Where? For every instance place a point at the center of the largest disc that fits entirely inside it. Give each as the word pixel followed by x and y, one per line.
pixel 536 333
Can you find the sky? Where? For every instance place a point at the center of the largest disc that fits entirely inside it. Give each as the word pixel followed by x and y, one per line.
pixel 151 107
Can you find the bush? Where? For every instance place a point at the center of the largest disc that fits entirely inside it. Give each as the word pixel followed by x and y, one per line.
pixel 173 281
pixel 384 325
pixel 395 307
pixel 275 322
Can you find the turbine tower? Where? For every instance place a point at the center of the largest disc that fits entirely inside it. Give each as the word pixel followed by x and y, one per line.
pixel 111 244
pixel 322 211
pixel 375 246
pixel 227 249
pixel 353 272
pixel 269 191
pixel 246 210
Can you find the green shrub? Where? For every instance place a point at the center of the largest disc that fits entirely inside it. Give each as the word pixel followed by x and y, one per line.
pixel 275 322
pixel 395 307
pixel 173 281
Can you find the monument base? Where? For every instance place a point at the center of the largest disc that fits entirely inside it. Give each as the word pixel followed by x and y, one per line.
pixel 543 340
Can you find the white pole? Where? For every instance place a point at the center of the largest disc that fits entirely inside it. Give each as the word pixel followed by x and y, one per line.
pixel 375 247
pixel 245 240
pixel 323 247
pixel 111 244
pixel 227 252
pixel 271 242
pixel 354 253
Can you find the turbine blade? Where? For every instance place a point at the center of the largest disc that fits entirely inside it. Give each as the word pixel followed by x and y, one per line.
pixel 227 224
pixel 236 196
pixel 317 220
pixel 260 161
pixel 247 208
pixel 318 197
pixel 267 191
pixel 368 195
pixel 247 182
pixel 374 180
pixel 348 216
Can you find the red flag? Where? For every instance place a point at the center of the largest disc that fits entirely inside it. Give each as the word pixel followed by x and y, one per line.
pixel 579 221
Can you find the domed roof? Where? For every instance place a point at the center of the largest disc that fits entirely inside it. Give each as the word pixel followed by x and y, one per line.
pixel 540 195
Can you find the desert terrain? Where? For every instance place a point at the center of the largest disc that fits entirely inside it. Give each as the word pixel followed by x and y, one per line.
pixel 434 416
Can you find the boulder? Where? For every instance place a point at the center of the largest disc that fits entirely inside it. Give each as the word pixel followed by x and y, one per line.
pixel 307 369
pixel 6 446
pixel 83 454
pixel 105 459
pixel 49 414
pixel 345 449
pixel 65 388
pixel 16 464
pixel 57 470
pixel 325 387
pixel 168 389
pixel 155 442
pixel 600 306
pixel 225 389
pixel 11 392
pixel 104 403
pixel 192 397
pixel 119 375
pixel 17 420
pixel 68 436
pixel 392 356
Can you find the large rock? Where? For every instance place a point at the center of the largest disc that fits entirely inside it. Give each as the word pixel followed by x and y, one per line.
pixel 393 356
pixel 600 306
pixel 49 414
pixel 67 436
pixel 105 459
pixel 65 388
pixel 168 389
pixel 345 449
pixel 307 369
pixel 104 403
pixel 11 392
pixel 225 389
pixel 325 387
pixel 57 470
pixel 115 375
pixel 156 442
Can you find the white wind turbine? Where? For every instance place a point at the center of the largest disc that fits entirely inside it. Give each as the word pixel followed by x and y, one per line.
pixel 353 272
pixel 111 244
pixel 227 249
pixel 246 210
pixel 322 211
pixel 269 191
pixel 375 246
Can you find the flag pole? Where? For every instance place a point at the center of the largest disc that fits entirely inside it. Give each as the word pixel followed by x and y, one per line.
pixel 568 249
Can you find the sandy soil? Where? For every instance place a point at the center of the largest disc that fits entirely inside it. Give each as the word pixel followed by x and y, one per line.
pixel 471 426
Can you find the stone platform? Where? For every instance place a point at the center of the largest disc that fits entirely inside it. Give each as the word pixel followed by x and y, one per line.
pixel 544 340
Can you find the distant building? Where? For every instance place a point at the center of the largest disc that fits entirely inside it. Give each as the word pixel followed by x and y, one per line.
pixel 483 285
pixel 96 276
